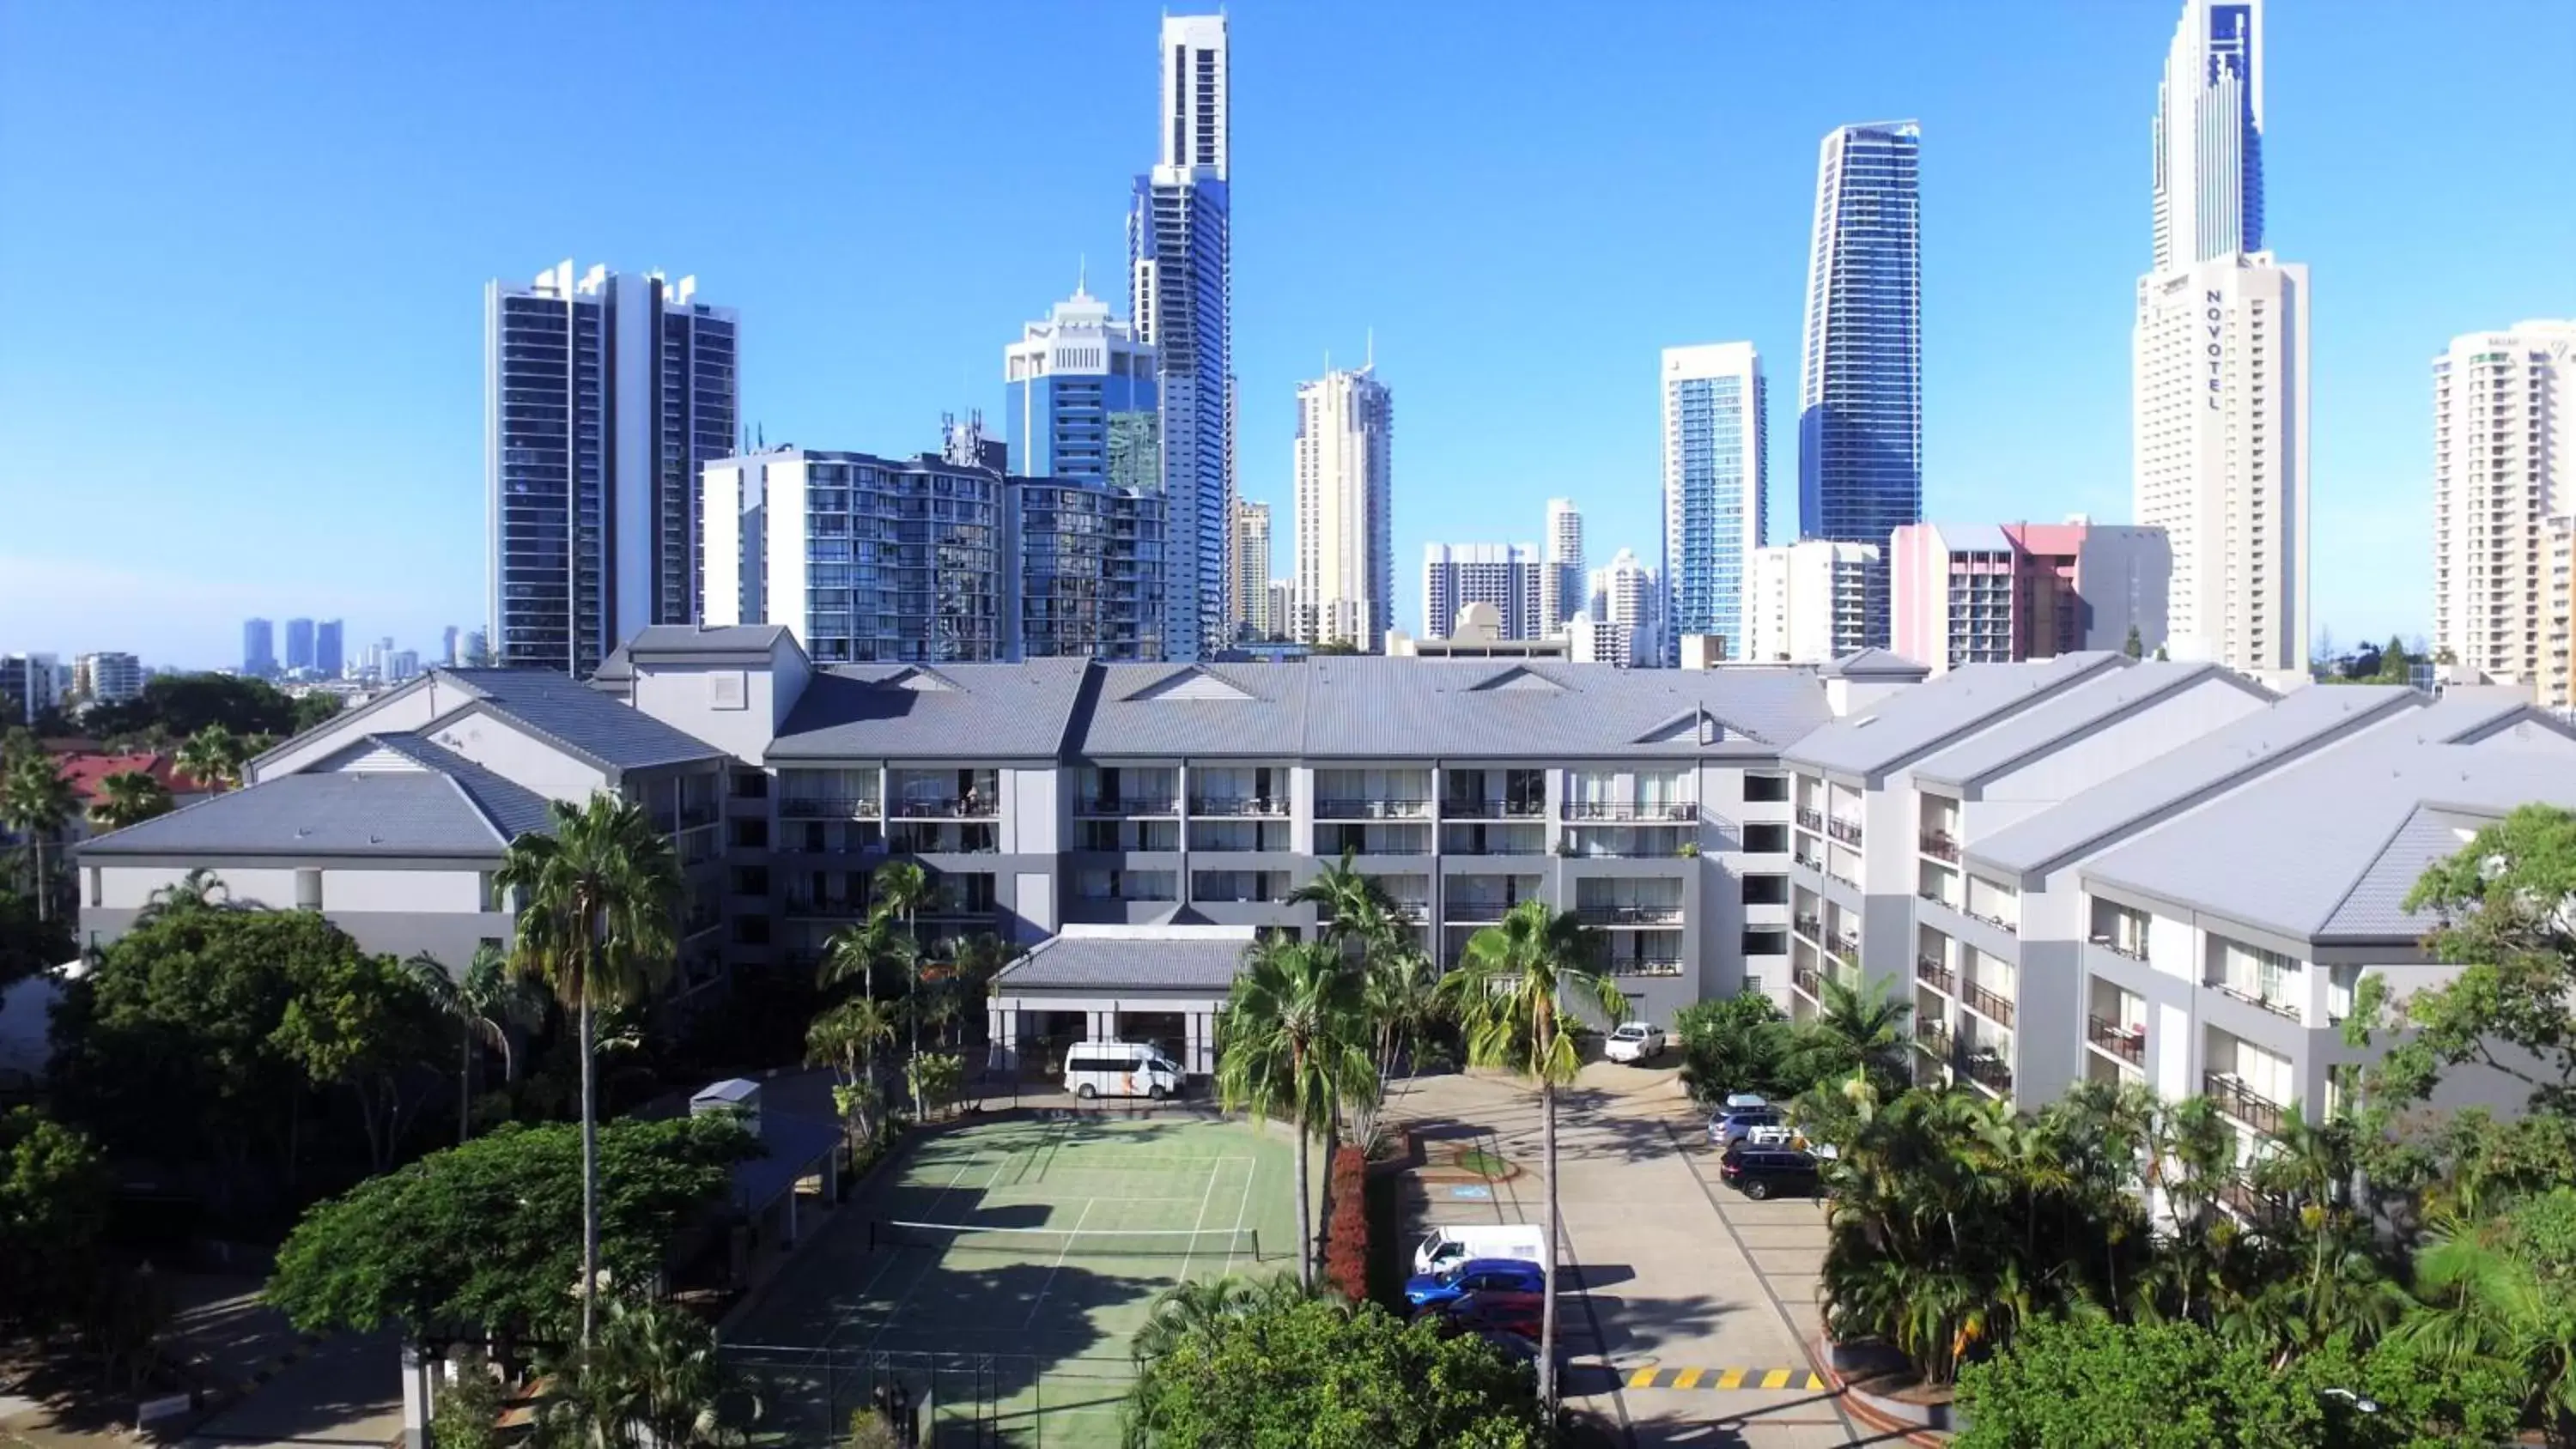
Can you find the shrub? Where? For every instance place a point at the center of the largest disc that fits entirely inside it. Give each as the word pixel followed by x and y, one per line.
pixel 1346 1234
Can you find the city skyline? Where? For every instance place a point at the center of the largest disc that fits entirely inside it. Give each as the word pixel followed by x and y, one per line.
pixel 2001 439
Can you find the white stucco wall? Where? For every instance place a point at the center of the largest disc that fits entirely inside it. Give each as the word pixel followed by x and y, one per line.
pixel 514 755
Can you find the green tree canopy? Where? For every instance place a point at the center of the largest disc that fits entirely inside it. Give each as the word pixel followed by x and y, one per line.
pixel 1308 1372
pixel 487 1237
pixel 175 706
pixel 54 1192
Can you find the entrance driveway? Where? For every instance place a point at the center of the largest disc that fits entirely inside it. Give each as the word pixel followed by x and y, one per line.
pixel 1687 1307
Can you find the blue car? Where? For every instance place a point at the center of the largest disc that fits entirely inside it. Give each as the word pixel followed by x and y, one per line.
pixel 1476 1275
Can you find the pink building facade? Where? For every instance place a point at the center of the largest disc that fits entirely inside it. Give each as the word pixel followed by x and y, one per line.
pixel 1997 593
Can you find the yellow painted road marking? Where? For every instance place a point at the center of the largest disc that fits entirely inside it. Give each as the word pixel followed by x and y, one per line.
pixel 1731 1379
pixel 1643 1378
pixel 1689 1379
pixel 1776 1379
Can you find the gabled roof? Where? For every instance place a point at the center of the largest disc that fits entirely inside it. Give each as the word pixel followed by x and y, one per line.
pixel 2319 851
pixel 2137 799
pixel 693 643
pixel 987 712
pixel 586 722
pixel 1875 664
pixel 1252 711
pixel 1362 705
pixel 2068 716
pixel 361 813
pixel 1914 722
pixel 512 808
pixel 1203 959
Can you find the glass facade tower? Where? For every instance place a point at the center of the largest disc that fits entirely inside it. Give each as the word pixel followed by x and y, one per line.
pixel 2209 135
pixel 1716 487
pixel 1860 386
pixel 604 397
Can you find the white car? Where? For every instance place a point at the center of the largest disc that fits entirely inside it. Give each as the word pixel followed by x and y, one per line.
pixel 1634 1041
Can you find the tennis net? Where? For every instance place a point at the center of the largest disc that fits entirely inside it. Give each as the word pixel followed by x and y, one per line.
pixel 1067 1242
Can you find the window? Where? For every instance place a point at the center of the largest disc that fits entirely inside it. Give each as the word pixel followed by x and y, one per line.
pixel 1766 839
pixel 308 890
pixel 1767 942
pixel 750 785
pixel 752 834
pixel 1766 789
pixel 1766 890
pixel 751 880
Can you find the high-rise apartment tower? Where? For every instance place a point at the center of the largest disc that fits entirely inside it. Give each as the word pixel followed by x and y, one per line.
pixel 2504 476
pixel 2209 135
pixel 1716 485
pixel 1860 381
pixel 1345 498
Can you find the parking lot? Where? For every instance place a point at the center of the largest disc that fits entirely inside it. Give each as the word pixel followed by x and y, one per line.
pixel 1687 1306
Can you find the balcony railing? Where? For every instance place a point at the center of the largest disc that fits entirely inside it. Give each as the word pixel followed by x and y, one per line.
pixel 1930 971
pixel 828 807
pixel 1493 809
pixel 2272 1004
pixel 1258 806
pixel 1998 922
pixel 1810 819
pixel 1933 1037
pixel 1808 859
pixel 2247 1201
pixel 949 807
pixel 1416 912
pixel 1806 980
pixel 1532 846
pixel 2134 950
pixel 835 907
pixel 952 910
pixel 698 849
pixel 1646 966
pixel 1845 949
pixel 793 843
pixel 1935 897
pixel 2129 1046
pixel 1128 805
pixel 1630 915
pixel 1988 1069
pixel 1938 845
pixel 1358 808
pixel 2242 1103
pixel 694 816
pixel 1476 912
pixel 1846 831
pixel 1809 927
pixel 1987 1004
pixel 1666 812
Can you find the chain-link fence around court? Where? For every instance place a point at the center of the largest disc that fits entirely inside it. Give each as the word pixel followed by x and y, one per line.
pixel 953 1400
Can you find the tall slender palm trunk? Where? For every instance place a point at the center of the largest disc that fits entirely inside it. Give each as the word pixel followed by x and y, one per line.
pixel 589 1174
pixel 1305 1218
pixel 465 1089
pixel 1547 1307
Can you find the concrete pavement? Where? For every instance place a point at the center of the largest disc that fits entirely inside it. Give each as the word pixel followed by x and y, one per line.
pixel 1661 1279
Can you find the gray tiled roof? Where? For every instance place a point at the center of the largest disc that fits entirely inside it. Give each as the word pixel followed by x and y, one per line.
pixel 2466 713
pixel 2138 798
pixel 1268 723
pixel 2064 718
pixel 2376 904
pixel 1361 705
pixel 1916 721
pixel 584 720
pixel 377 813
pixel 1126 964
pixel 666 641
pixel 2292 851
pixel 980 712
pixel 513 808
pixel 1875 664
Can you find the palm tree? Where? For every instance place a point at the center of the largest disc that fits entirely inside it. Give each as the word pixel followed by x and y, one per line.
pixel 214 756
pixel 2494 1297
pixel 199 890
pixel 846 1039
pixel 856 950
pixel 1511 993
pixel 485 1004
pixel 1295 1045
pixel 36 800
pixel 597 898
pixel 900 887
pixel 130 797
pixel 1356 908
pixel 1853 1028
pixel 1193 1306
pixel 654 1377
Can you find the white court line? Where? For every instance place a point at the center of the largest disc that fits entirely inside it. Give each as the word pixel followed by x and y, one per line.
pixel 1196 1224
pixel 870 1286
pixel 1049 1286
pixel 1240 1209
pixel 928 1269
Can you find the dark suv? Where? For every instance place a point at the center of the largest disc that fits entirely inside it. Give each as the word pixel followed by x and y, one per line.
pixel 1761 1172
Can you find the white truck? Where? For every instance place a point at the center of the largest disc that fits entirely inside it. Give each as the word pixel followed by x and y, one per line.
pixel 1443 1246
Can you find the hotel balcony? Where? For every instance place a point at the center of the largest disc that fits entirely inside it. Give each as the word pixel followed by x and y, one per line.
pixel 1808 984
pixel 1846 831
pixel 830 807
pixel 2127 1042
pixel 1234 806
pixel 1355 807
pixel 1631 812
pixel 2119 930
pixel 1630 915
pixel 1930 971
pixel 1988 1067
pixel 1809 819
pixel 1991 1005
pixel 1478 839
pixel 2242 1102
pixel 1126 806
pixel 944 794
pixel 948 807
pixel 1933 1039
pixel 1456 808
pixel 1940 846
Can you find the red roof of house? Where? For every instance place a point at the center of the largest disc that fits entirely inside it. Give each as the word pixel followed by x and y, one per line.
pixel 85 770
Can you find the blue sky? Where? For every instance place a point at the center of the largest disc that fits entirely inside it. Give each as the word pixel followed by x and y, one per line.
pixel 240 371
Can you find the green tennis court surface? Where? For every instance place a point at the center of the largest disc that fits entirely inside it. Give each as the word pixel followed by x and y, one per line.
pixel 1002 1268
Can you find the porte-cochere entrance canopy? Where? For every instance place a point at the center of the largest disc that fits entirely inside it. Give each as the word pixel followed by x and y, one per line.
pixel 1162 984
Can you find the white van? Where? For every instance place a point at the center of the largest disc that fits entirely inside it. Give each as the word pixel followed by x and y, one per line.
pixel 1120 1069
pixel 1444 1246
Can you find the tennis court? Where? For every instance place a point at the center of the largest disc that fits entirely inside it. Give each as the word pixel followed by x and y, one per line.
pixel 1008 1264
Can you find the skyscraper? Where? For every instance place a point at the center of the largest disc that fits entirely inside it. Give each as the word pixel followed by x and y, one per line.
pixel 259 648
pixel 2220 422
pixel 328 661
pixel 1183 282
pixel 2504 476
pixel 1248 569
pixel 1345 543
pixel 299 644
pixel 1716 485
pixel 1081 398
pixel 1505 575
pixel 604 396
pixel 1814 600
pixel 2209 135
pixel 2219 410
pixel 1561 585
pixel 1860 383
pixel 1621 621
